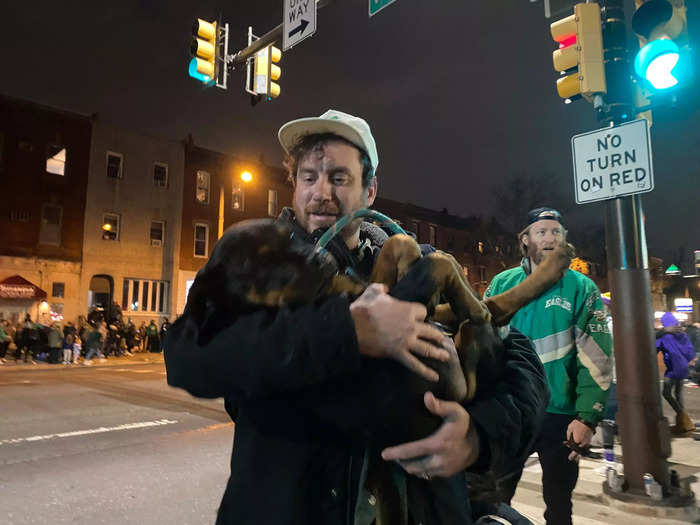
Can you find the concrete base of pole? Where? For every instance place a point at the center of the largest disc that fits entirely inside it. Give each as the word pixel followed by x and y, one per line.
pixel 675 506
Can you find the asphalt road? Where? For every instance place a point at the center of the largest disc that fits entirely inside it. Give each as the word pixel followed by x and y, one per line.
pixel 109 445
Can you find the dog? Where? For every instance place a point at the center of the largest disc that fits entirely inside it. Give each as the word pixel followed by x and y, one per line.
pixel 259 264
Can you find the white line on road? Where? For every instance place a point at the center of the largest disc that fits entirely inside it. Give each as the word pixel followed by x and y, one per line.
pixel 100 430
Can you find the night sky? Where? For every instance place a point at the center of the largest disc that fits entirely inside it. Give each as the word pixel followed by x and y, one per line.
pixel 460 95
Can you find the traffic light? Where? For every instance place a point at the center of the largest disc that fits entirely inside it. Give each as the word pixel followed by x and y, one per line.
pixel 664 58
pixel 204 50
pixel 579 58
pixel 266 72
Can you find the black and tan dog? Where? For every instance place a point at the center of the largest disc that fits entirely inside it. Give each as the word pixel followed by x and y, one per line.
pixel 258 264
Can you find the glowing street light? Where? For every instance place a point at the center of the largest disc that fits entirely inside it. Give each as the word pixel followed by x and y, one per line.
pixel 246 176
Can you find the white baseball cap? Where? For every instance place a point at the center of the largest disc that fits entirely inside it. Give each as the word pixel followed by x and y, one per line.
pixel 353 129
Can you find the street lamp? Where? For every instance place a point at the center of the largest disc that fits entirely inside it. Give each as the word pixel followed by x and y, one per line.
pixel 246 176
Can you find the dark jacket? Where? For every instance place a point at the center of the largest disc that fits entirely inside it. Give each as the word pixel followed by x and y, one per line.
pixel 287 465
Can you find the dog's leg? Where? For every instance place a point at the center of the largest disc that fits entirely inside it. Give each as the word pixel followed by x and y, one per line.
pixel 504 306
pixel 396 257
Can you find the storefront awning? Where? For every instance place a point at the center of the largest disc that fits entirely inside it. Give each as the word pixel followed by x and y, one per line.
pixel 17 287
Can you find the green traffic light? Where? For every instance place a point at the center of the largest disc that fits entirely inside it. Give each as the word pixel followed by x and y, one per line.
pixel 656 62
pixel 192 70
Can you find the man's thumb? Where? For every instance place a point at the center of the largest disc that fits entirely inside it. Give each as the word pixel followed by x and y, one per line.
pixel 436 406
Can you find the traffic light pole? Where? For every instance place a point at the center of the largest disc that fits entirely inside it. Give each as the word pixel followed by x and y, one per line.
pixel 268 38
pixel 644 432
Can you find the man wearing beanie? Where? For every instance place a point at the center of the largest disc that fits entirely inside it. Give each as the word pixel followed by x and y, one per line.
pixel 568 328
pixel 678 355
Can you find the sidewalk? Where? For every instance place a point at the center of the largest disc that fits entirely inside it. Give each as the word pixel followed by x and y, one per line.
pixel 138 358
pixel 589 505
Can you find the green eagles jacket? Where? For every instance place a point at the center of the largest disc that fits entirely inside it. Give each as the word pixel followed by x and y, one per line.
pixel 568 328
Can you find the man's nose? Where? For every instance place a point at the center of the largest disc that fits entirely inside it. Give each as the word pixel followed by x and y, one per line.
pixel 323 190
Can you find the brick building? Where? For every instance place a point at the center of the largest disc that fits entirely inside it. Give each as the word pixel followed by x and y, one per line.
pixel 44 156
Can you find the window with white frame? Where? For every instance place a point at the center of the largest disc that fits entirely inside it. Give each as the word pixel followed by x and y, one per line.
pixel 432 233
pixel 272 203
pixel 201 239
pixel 115 165
pixel 51 223
pixel 237 199
pixel 157 234
pixel 56 160
pixel 202 191
pixel 160 175
pixel 145 295
pixel 110 227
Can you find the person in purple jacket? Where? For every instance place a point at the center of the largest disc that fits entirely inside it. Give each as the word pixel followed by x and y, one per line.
pixel 678 354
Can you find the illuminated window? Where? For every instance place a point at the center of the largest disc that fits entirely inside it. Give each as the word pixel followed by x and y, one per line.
pixel 56 160
pixel 272 203
pixel 202 191
pixel 160 175
pixel 110 227
pixel 201 239
pixel 432 235
pixel 482 274
pixel 237 199
pixel 146 295
pixel 115 163
pixel 480 247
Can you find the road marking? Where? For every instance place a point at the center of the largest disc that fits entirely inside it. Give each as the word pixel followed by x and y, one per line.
pixel 99 430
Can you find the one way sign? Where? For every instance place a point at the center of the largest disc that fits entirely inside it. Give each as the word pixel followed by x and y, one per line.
pixel 299 21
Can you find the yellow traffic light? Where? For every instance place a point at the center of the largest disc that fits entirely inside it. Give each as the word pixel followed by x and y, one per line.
pixel 580 54
pixel 203 50
pixel 266 72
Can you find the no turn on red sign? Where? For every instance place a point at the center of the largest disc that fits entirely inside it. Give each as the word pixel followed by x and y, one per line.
pixel 613 162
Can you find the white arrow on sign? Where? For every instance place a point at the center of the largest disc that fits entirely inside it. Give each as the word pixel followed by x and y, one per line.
pixel 299 21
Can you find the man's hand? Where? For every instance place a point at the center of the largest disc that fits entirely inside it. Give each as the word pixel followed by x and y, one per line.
pixel 451 449
pixel 580 434
pixel 389 328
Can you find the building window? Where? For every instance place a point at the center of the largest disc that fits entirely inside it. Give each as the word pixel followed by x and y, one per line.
pixel 480 247
pixel 237 199
pixel 56 311
pixel 432 232
pixel 58 289
pixel 272 203
pixel 201 239
pixel 56 160
pixel 157 233
pixel 160 175
pixel 465 270
pixel 202 193
pixel 51 221
pixel 115 162
pixel 110 227
pixel 20 216
pixel 482 274
pixel 416 229
pixel 145 295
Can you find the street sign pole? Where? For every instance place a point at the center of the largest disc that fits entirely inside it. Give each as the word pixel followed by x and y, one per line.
pixel 644 431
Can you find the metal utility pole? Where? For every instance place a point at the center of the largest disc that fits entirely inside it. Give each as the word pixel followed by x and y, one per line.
pixel 644 431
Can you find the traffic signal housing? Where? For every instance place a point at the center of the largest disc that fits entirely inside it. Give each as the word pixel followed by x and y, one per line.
pixel 579 58
pixel 266 72
pixel 663 61
pixel 204 49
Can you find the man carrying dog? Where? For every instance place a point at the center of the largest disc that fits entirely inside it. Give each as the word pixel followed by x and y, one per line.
pixel 295 471
pixel 568 327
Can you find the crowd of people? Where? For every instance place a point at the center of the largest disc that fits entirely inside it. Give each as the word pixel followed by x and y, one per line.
pixel 93 336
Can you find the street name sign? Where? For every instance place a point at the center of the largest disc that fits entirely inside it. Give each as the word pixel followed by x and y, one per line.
pixel 377 5
pixel 613 162
pixel 299 22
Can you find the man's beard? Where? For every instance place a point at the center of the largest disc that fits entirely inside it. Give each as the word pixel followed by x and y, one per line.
pixel 536 255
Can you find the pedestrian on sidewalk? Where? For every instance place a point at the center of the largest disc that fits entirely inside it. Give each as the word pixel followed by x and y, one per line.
pixel 5 340
pixel 55 342
pixel 678 355
pixel 153 339
pixel 77 348
pixel 568 326
pixel 93 344
pixel 67 344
